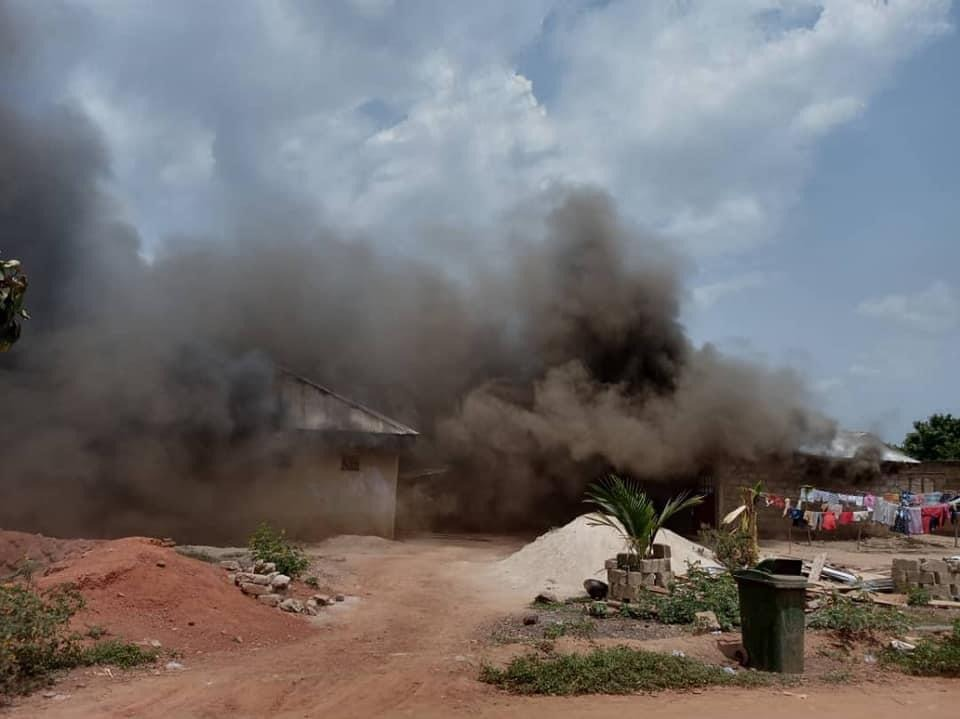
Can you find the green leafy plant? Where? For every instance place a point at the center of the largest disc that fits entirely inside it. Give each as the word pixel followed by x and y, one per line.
pixel 733 547
pixel 13 288
pixel 857 621
pixel 312 582
pixel 936 438
pixel 701 592
pixel 744 521
pixel 114 652
pixel 930 658
pixel 270 545
pixel 614 670
pixel 34 639
pixel 624 506
pixel 576 628
pixel 918 597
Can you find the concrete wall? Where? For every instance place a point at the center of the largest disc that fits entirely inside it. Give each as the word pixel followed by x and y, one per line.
pixel 786 478
pixel 316 498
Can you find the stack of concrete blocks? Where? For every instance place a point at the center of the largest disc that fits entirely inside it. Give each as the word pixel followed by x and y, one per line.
pixel 628 575
pixel 940 577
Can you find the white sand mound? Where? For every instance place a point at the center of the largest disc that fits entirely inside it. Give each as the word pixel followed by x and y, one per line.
pixel 562 558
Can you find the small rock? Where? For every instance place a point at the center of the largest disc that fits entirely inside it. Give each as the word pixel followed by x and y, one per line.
pixel 190 624
pixel 310 609
pixel 49 695
pixel 869 659
pixel 161 564
pixel 292 605
pixel 280 581
pixel 80 685
pixel 729 670
pixel 677 653
pixel 232 578
pixel 121 595
pixel 902 646
pixel 231 565
pixel 173 666
pixel 706 622
pixel 546 597
pixel 321 599
pixel 155 643
pixel 254 590
pixel 259 579
pixel 271 600
pixel 238 639
pixel 339 598
pixel 264 567
pixel 531 619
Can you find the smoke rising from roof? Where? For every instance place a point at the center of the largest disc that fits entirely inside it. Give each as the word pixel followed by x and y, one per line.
pixel 140 397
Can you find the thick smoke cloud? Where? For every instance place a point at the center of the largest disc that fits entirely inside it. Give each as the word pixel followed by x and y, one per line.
pixel 140 398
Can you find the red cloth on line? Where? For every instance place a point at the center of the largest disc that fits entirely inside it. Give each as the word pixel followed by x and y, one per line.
pixel 846 517
pixel 829 521
pixel 940 511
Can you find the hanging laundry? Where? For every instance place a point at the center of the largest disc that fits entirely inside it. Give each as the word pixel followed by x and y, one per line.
pixel 829 521
pixel 868 501
pixel 846 518
pixel 914 519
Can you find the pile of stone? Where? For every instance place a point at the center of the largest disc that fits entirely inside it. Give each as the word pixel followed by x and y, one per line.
pixel 628 576
pixel 939 577
pixel 262 581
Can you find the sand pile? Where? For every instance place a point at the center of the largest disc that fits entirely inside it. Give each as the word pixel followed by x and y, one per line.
pixel 562 558
pixel 20 551
pixel 139 590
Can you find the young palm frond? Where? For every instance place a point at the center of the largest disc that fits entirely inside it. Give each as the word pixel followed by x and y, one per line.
pixel 623 506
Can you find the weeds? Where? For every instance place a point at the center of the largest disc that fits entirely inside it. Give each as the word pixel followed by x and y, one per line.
pixel 35 640
pixel 118 654
pixel 918 597
pixel 575 628
pixel 855 621
pixel 930 658
pixel 701 592
pixel 270 545
pixel 312 582
pixel 616 670
pixel 733 548
pixel 95 631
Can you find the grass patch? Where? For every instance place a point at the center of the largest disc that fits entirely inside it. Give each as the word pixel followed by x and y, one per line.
pixel 117 654
pixel 616 670
pixel 837 676
pixel 575 628
pixel 858 621
pixel 931 658
pixel 918 597
pixel 700 592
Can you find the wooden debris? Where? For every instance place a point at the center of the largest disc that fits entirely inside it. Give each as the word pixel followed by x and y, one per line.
pixel 817 567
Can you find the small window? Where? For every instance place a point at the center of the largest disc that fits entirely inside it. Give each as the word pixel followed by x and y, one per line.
pixel 349 463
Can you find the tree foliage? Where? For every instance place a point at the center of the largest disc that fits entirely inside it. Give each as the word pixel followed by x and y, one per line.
pixel 936 438
pixel 13 288
pixel 622 505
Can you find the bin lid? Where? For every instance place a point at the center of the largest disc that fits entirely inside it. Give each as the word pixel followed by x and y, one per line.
pixel 777 581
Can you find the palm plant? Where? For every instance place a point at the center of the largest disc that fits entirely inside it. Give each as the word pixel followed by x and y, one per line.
pixel 622 505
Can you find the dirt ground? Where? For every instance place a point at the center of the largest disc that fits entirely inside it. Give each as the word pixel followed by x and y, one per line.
pixel 411 646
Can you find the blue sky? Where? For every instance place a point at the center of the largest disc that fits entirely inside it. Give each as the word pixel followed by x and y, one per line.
pixel 802 154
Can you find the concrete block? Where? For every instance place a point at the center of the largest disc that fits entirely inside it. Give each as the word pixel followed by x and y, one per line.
pixel 906 565
pixel 661 551
pixel 927 578
pixel 937 566
pixel 610 564
pixel 616 576
pixel 664 579
pixel 939 591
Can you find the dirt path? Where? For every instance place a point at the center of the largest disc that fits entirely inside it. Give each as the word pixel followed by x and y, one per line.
pixel 410 648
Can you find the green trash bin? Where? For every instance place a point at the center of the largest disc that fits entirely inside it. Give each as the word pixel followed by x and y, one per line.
pixel 772 600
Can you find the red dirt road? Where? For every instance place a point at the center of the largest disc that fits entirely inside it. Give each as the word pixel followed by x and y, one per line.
pixel 411 648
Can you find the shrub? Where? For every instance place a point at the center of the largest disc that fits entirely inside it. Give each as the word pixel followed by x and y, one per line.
pixel 269 545
pixel 733 548
pixel 312 582
pixel 700 592
pixel 615 670
pixel 918 597
pixel 117 654
pixel 34 638
pixel 930 658
pixel 857 620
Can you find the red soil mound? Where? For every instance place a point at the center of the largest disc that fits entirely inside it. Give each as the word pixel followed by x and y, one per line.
pixel 37 550
pixel 137 589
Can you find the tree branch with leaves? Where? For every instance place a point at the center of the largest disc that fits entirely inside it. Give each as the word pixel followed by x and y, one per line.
pixel 13 289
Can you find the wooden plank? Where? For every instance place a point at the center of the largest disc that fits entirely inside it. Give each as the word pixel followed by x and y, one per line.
pixel 817 567
pixel 944 603
pixel 890 600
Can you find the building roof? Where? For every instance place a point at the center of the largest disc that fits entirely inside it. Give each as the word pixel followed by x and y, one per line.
pixel 311 406
pixel 847 444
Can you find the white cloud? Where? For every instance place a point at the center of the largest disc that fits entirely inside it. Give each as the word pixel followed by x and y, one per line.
pixel 699 117
pixel 935 309
pixel 706 296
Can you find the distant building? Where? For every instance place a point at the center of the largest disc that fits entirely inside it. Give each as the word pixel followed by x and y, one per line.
pixel 342 465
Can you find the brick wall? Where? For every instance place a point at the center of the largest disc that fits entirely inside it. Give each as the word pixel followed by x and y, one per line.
pixel 786 477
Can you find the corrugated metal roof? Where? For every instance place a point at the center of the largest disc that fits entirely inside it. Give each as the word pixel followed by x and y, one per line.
pixel 846 444
pixel 315 407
